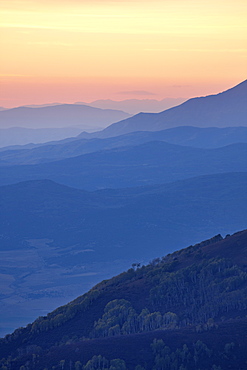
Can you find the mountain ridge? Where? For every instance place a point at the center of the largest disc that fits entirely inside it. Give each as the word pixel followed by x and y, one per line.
pixel 207 138
pixel 134 106
pixel 57 116
pixel 221 110
pixel 145 164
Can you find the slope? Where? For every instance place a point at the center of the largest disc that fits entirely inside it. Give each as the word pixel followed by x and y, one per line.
pixel 195 296
pixel 226 109
pixel 22 136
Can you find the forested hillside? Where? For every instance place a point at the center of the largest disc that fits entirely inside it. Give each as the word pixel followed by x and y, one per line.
pixel 186 310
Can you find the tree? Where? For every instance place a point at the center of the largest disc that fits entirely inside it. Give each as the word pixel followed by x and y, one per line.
pixel 117 364
pixel 96 363
pixel 61 364
pixel 78 365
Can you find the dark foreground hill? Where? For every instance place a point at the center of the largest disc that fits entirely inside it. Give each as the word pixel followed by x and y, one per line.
pixel 57 242
pixel 154 162
pixel 226 109
pixel 211 137
pixel 186 310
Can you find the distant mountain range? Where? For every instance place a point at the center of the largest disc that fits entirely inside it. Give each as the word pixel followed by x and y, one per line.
pixel 154 162
pixel 134 106
pixel 131 106
pixel 186 310
pixel 227 109
pixel 60 116
pixel 211 137
pixel 51 118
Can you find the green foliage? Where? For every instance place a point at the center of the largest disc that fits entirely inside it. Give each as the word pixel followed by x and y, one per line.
pixel 229 348
pixel 117 364
pixel 201 352
pixel 115 315
pixel 197 293
pixel 61 364
pixel 78 365
pixel 96 363
pixel 101 363
pixel 201 291
pixel 181 358
pixel 64 313
pixel 120 318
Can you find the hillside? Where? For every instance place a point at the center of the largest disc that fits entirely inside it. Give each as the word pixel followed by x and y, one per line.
pixel 209 138
pixel 22 136
pixel 147 164
pixel 57 242
pixel 186 310
pixel 226 109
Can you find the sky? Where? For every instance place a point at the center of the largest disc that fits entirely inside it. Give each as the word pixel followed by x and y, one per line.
pixel 83 50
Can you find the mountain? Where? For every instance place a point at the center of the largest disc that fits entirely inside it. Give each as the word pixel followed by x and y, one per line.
pixel 212 137
pixel 131 106
pixel 63 115
pixel 151 163
pixel 134 106
pixel 227 109
pixel 57 242
pixel 186 310
pixel 43 105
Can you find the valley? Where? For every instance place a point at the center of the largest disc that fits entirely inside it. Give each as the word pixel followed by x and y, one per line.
pixel 99 218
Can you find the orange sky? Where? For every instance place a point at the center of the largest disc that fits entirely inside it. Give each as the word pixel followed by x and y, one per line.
pixel 76 50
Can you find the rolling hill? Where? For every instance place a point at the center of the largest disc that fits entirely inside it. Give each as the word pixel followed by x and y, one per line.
pixel 186 310
pixel 209 138
pixel 147 164
pixel 22 136
pixel 62 115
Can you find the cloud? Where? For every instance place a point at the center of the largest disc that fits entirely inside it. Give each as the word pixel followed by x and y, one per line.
pixel 135 92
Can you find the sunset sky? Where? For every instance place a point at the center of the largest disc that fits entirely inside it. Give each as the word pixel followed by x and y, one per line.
pixel 83 50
